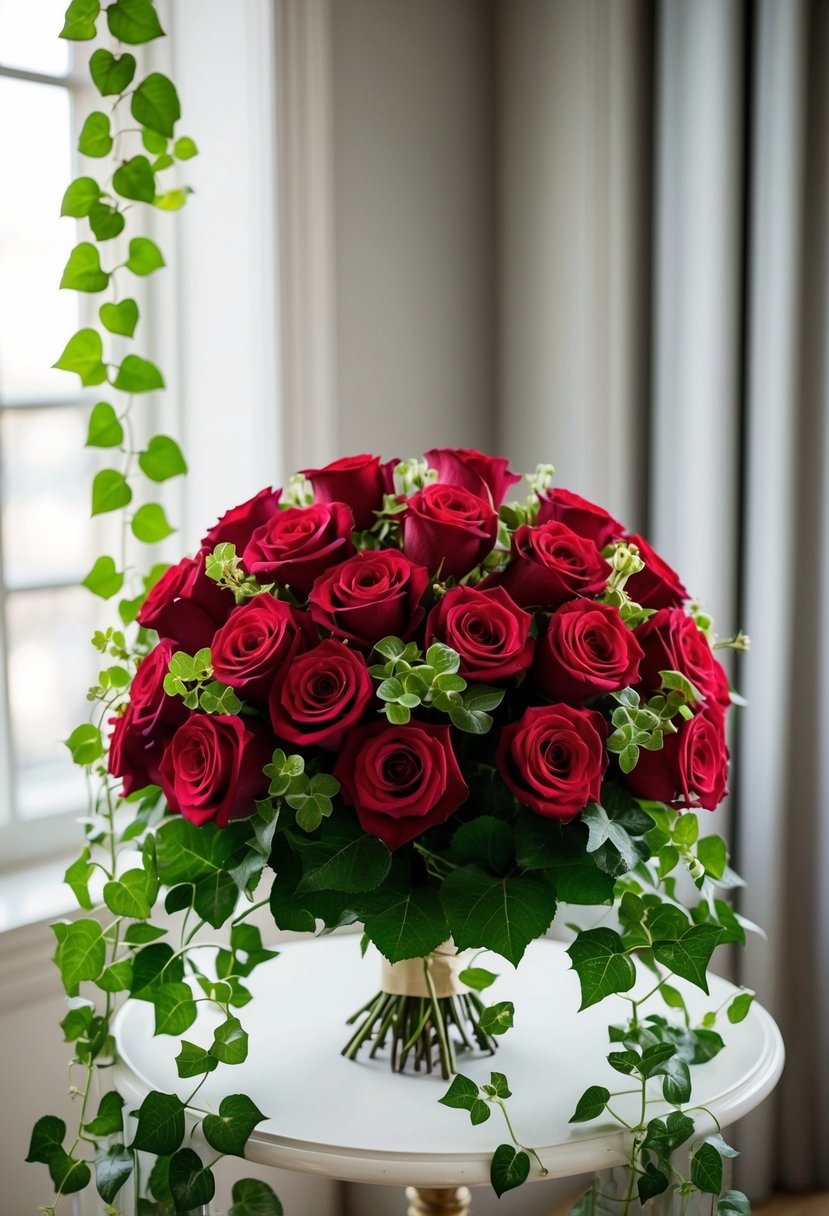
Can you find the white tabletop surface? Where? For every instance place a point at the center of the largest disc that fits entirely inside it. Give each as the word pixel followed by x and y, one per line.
pixel 358 1121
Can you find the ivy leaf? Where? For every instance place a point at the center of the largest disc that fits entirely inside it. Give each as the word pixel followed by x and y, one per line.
pixel 106 221
pixel 144 256
pixel 139 935
pixel 77 877
pixel 113 1167
pixel 83 354
pixel 175 1009
pixel 228 1131
pixel 185 148
pixel 117 977
pixel 162 459
pixel 497 1018
pixel 509 1168
pixel 83 270
pixel 191 1183
pixel 676 1085
pixel 193 1060
pixel 734 1203
pixel 666 1135
pixel 591 1104
pixel 130 895
pixel 135 178
pixel 105 431
pixel 109 491
pixel 81 952
pixel 344 859
pixel 487 842
pixel 690 955
pixel 461 1094
pixel 47 1139
pixel 134 22
pixel 79 23
pixel 155 104
pixel 215 897
pixel 81 195
pixel 160 1124
pixel 502 914
pixel 603 829
pixel 111 74
pixel 652 1182
pixel 95 138
pixel 477 977
pixel 104 579
pixel 68 1174
pixel 109 1119
pixel 230 1042
pixel 254 1198
pixel 120 318
pixel 137 375
pixel 153 966
pixel 187 853
pixel 598 957
pixel 713 854
pixel 149 524
pixel 404 921
pixel 706 1169
pixel 739 1007
pixel 86 744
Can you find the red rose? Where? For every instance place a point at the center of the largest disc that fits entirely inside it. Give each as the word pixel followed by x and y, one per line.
pixel 299 543
pixel 142 732
pixel 489 631
pixel 321 695
pixel 186 606
pixel 585 518
pixel 587 650
pixel 258 638
pixel 239 523
pixel 212 769
pixel 448 530
pixel 401 779
pixel 657 586
pixel 671 641
pixel 373 595
pixel 359 481
pixel 550 564
pixel 553 759
pixel 691 769
pixel 486 476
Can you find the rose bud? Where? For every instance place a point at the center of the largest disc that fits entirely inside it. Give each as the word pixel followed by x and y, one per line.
pixel 586 650
pixel 359 481
pixel 372 595
pixel 151 718
pixel 212 768
pixel 549 565
pixel 258 638
pixel 448 530
pixel 401 779
pixel 691 769
pixel 239 523
pixel 553 759
pixel 487 629
pixel 487 476
pixel 321 695
pixel 585 518
pixel 657 586
pixel 186 606
pixel 299 543
pixel 671 641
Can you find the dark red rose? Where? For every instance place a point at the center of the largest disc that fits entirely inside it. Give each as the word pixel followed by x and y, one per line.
pixel 585 518
pixel 359 481
pixel 212 769
pixel 487 476
pixel 239 523
pixel 186 606
pixel 401 779
pixel 657 586
pixel 258 638
pixel 299 543
pixel 550 564
pixel 142 732
pixel 448 530
pixel 553 759
pixel 691 769
pixel 586 650
pixel 373 595
pixel 489 631
pixel 671 641
pixel 321 695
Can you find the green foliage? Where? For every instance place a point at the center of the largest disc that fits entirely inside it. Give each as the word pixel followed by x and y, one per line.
pixel 591 1104
pixel 95 138
pixel 135 179
pixel 254 1198
pixel 407 681
pixel 105 429
pixel 120 318
pixel 110 490
pixel 137 375
pixel 113 1167
pixel 80 197
pixel 79 23
pixel 191 1183
pixel 111 74
pixel 149 524
pixel 83 354
pixel 510 1167
pixel 144 256
pixel 155 104
pixel 133 21
pixel 162 459
pixel 404 921
pixel 498 1018
pixel 228 1131
pixel 601 961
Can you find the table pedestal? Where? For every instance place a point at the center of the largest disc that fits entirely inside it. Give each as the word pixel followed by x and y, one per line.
pixel 431 1201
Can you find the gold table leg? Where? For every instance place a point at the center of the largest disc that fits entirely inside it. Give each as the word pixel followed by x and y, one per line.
pixel 434 1201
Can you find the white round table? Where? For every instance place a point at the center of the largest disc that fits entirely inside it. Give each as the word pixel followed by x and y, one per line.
pixel 358 1121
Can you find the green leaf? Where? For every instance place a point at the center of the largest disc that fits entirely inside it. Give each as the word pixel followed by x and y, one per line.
pixel 47 1139
pixel 120 318
pixel 686 829
pixel 68 1174
pixel 144 256
pixel 591 1104
pixel 502 914
pixel 138 935
pixel 344 859
pixel 254 1198
pixel 149 524
pixel 84 354
pixel 95 138
pixel 652 1182
pixel 160 1124
pixel 109 491
pixel 137 375
pixel 175 1009
pixel 77 877
pixel 83 270
pixel 215 898
pixel 477 977
pixel 162 459
pixel 487 842
pixel 228 1131
pixel 603 829
pixel 153 966
pixel 598 957
pixel 664 1136
pixel 85 744
pixel 185 148
pixel 80 197
pixel 471 722
pixel 734 1203
pixel 690 955
pixel 706 1169
pixel 135 179
pixel 109 1119
pixel 111 74
pixel 497 1018
pixel 193 1060
pixel 134 22
pixel 191 1183
pixel 737 1010
pixel 130 895
pixel 404 921
pixel 461 1094
pixel 230 1042
pixel 187 853
pixel 155 104
pixel 510 1167
pixel 153 142
pixel 655 1057
pixel 79 23
pixel 113 1167
pixel 499 1085
pixel 676 1084
pixel 105 431
pixel 106 221
pixel 713 854
pixel 81 952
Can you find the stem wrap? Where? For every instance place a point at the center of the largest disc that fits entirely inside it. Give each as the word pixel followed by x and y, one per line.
pixel 408 977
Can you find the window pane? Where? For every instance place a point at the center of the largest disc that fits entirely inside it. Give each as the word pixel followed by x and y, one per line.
pixel 29 36
pixel 51 665
pixel 36 319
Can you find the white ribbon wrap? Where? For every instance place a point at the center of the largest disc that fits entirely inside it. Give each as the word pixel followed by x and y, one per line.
pixel 408 978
